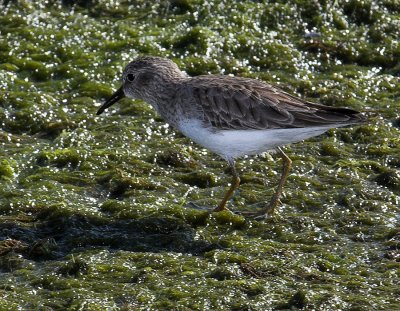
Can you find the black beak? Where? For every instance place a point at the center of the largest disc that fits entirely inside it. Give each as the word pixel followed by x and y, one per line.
pixel 112 100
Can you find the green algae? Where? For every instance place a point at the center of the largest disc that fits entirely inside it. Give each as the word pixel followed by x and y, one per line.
pixel 93 210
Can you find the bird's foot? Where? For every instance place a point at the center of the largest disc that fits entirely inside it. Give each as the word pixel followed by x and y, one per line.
pixel 198 207
pixel 256 215
pixel 220 208
pixel 207 208
pixel 261 214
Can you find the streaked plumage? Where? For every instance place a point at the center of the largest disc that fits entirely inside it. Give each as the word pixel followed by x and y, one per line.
pixel 231 116
pixel 240 103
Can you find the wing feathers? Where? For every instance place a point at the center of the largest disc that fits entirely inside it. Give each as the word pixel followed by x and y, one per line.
pixel 237 103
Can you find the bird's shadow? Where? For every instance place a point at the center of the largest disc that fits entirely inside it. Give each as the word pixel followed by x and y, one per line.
pixel 59 236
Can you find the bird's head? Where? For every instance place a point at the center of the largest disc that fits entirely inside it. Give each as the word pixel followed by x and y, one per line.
pixel 145 78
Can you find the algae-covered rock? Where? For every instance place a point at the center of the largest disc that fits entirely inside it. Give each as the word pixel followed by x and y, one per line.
pixel 75 267
pixel 198 178
pixel 175 158
pixel 60 158
pixel 195 40
pixel 390 179
pixel 6 169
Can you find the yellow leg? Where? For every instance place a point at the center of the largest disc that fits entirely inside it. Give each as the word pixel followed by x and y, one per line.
pixel 286 164
pixel 234 185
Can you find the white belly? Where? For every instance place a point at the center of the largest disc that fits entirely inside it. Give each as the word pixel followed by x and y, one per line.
pixel 231 144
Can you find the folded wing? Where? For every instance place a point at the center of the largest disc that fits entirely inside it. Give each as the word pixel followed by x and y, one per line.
pixel 239 103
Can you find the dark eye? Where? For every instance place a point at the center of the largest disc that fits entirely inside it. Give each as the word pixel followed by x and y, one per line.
pixel 130 77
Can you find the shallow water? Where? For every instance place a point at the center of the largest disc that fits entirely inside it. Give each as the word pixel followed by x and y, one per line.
pixel 94 210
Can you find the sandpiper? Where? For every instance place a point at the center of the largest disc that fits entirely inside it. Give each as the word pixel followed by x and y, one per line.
pixel 231 116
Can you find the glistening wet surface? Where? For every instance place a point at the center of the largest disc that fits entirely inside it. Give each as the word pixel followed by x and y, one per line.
pixel 94 210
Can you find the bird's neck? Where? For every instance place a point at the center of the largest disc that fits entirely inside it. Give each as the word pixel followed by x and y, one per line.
pixel 164 87
pixel 161 98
